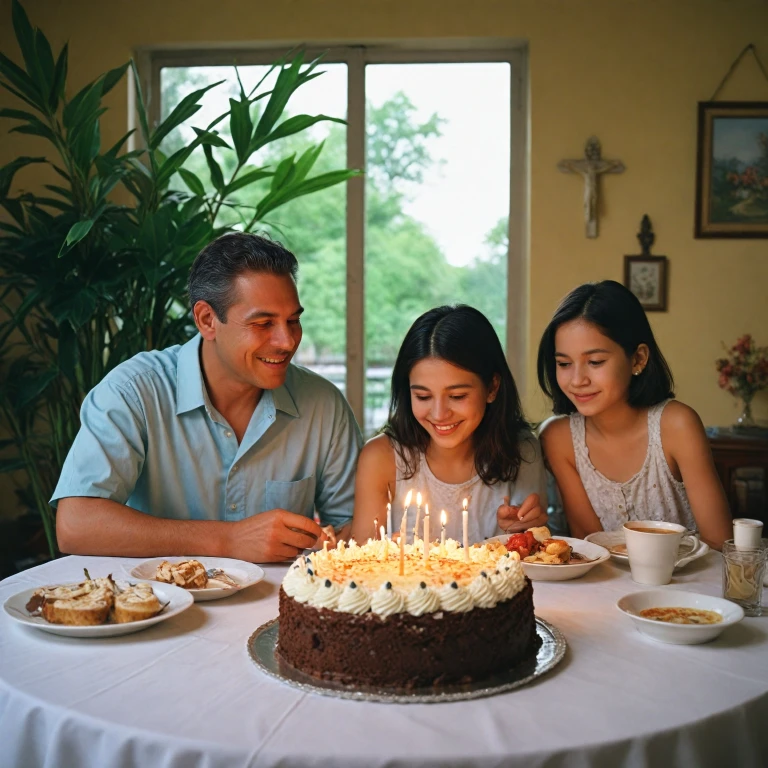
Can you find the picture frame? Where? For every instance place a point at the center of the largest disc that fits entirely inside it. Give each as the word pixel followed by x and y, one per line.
pixel 732 170
pixel 646 276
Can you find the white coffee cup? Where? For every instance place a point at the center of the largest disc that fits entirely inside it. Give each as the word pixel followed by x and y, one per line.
pixel 652 548
pixel 747 534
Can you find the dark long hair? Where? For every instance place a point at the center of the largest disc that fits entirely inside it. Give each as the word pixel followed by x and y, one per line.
pixel 616 311
pixel 464 337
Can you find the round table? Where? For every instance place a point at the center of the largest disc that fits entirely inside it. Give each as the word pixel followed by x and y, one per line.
pixel 185 692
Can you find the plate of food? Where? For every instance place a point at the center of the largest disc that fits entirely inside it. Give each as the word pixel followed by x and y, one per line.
pixel 548 559
pixel 100 607
pixel 615 543
pixel 205 578
pixel 679 617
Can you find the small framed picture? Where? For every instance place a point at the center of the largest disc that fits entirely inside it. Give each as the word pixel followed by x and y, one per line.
pixel 646 277
pixel 732 169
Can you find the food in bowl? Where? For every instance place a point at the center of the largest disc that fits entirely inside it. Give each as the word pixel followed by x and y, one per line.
pixel 536 545
pixel 676 615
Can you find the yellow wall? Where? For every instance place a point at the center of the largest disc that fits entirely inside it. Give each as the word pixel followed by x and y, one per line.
pixel 629 72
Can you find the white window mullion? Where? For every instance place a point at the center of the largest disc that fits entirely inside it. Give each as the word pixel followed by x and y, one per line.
pixel 356 235
pixel 518 273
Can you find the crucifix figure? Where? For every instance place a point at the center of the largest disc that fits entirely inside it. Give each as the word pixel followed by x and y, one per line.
pixel 590 167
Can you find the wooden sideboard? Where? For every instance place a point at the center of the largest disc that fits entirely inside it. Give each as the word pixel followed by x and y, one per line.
pixel 742 463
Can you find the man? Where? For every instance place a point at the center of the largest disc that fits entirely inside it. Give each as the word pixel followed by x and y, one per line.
pixel 218 447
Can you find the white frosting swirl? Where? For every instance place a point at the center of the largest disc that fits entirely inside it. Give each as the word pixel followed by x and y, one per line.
pixel 354 599
pixel 305 588
pixel 326 596
pixel 483 592
pixel 455 598
pixel 508 579
pixel 387 601
pixel 422 600
pixel 295 575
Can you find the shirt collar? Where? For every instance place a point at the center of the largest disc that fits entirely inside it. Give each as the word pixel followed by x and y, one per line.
pixel 283 398
pixel 189 377
pixel 190 390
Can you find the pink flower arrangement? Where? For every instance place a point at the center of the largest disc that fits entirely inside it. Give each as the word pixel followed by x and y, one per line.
pixel 745 370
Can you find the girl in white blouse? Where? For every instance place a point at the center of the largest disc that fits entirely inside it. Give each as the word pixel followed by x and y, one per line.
pixel 628 450
pixel 456 430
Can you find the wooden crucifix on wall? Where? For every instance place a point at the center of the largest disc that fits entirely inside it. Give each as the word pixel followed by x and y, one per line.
pixel 591 167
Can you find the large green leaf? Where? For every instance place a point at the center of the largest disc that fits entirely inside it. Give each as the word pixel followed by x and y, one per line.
pixel 300 123
pixel 240 126
pixel 25 36
pixel 59 78
pixel 7 172
pixel 75 235
pixel 187 107
pixel 193 182
pixel 247 178
pixel 140 106
pixel 217 178
pixel 19 83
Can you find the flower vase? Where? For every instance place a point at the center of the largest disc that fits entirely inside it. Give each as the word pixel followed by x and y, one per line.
pixel 746 420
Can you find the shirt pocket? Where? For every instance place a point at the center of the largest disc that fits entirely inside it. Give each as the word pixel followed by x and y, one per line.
pixel 295 496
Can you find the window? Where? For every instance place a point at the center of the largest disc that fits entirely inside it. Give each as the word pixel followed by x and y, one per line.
pixel 438 218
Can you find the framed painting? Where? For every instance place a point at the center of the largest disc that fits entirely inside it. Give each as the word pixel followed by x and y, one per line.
pixel 732 169
pixel 646 277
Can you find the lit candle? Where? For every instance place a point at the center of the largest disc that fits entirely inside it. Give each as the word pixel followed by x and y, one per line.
pixel 443 521
pixel 418 516
pixel 375 527
pixel 426 533
pixel 389 518
pixel 402 544
pixel 465 522
pixel 385 544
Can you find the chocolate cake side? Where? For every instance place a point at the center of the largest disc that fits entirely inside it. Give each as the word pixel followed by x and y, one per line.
pixel 405 651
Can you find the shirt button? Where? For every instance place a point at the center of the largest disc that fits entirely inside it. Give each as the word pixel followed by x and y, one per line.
pixel 233 506
pixel 621 506
pixel 228 433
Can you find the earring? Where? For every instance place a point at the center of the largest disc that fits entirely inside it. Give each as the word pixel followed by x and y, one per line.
pixel 637 373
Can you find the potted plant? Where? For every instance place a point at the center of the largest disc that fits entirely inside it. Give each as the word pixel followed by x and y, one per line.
pixel 85 281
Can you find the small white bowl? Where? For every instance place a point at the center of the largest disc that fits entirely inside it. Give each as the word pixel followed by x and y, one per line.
pixel 679 634
pixel 594 553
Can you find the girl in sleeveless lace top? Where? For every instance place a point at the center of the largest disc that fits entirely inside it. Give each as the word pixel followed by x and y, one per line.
pixel 628 451
pixel 455 430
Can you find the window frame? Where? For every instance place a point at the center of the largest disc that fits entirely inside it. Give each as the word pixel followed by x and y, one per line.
pixel 356 57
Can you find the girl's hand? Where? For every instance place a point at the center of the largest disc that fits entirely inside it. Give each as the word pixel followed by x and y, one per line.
pixel 512 519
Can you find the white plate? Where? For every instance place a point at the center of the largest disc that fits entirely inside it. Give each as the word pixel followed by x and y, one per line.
pixel 679 634
pixel 177 600
pixel 566 571
pixel 612 539
pixel 240 571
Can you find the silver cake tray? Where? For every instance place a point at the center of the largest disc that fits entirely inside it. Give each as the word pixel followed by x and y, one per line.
pixel 262 645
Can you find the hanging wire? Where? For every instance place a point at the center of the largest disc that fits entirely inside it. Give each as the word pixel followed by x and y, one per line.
pixel 747 49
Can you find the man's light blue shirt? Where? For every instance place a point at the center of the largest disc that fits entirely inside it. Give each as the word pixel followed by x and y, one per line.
pixel 150 439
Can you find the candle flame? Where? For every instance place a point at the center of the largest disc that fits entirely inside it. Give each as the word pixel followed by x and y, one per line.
pixel 443 518
pixel 418 498
pixel 464 504
pixel 389 508
pixel 426 509
pixel 408 498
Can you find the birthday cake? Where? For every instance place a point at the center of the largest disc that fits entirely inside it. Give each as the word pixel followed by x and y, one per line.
pixel 364 615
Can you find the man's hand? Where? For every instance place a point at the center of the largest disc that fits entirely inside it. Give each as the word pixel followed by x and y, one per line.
pixel 272 536
pixel 513 519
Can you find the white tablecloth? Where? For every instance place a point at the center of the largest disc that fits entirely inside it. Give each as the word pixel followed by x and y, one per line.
pixel 184 693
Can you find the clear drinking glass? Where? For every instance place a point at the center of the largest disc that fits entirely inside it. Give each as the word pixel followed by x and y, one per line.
pixel 743 571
